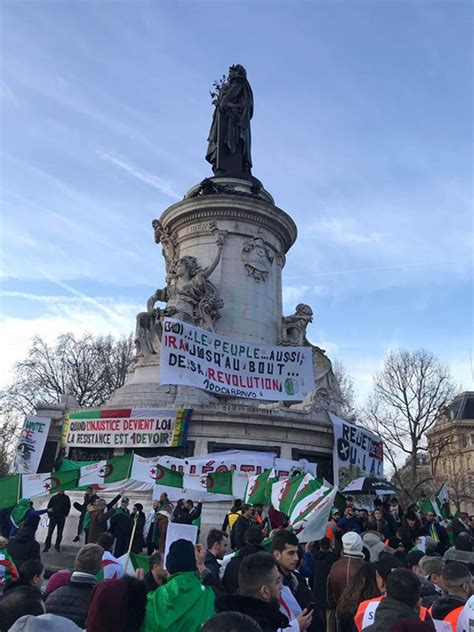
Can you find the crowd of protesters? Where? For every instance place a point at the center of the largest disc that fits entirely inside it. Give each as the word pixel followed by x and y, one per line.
pixel 378 570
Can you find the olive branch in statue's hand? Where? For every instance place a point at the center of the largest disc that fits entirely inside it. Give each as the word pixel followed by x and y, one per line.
pixel 218 87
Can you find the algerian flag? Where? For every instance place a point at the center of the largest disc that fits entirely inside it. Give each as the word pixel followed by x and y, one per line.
pixel 197 482
pixel 133 562
pixel 9 490
pixel 442 500
pixel 170 478
pixel 442 496
pixel 90 475
pixel 284 491
pixel 313 526
pixel 49 483
pixel 143 470
pixel 220 482
pixel 308 501
pixel 256 487
pixel 430 506
pixel 117 469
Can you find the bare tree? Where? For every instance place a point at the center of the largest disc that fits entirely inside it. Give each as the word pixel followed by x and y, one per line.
pixel 9 429
pixel 89 369
pixel 407 394
pixel 346 385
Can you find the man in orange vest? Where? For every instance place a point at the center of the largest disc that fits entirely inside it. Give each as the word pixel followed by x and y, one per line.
pixel 400 603
pixel 366 610
pixel 459 585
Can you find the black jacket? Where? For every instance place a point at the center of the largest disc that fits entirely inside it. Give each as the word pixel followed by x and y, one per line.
pixel 138 541
pixel 23 546
pixel 182 516
pixel 428 592
pixel 71 601
pixel 299 587
pixel 389 612
pixel 267 615
pixel 238 531
pixel 323 560
pixel 445 604
pixel 212 565
pixel 230 581
pixel 60 504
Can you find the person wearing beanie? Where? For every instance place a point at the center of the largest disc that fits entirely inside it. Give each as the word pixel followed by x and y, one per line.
pixel 44 623
pixel 72 601
pixel 23 546
pixel 183 603
pixel 372 540
pixel 58 580
pixel 342 570
pixel 430 574
pixel 117 605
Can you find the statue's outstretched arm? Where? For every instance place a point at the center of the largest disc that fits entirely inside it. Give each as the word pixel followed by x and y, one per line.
pixel 159 295
pixel 213 265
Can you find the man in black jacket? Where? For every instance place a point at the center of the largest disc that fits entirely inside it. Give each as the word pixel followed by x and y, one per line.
pixel 401 602
pixel 285 552
pixel 182 515
pixel 243 522
pixel 59 507
pixel 253 544
pixel 259 593
pixel 72 601
pixel 217 548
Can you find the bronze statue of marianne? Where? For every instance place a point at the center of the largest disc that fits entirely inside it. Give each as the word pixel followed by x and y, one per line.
pixel 229 138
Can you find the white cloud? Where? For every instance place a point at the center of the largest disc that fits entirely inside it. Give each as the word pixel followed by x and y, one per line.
pixel 157 183
pixel 344 230
pixel 62 315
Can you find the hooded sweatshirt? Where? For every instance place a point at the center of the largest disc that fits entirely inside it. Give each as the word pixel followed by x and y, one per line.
pixel 445 604
pixel 372 541
pixel 44 623
pixel 389 612
pixel 183 604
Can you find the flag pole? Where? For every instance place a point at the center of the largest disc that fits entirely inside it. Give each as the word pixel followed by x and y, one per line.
pixel 135 520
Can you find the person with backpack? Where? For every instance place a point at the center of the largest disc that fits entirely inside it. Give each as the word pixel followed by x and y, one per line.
pixel 231 517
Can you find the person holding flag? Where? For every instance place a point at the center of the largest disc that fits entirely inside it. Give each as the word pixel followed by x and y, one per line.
pixel 436 531
pixel 8 569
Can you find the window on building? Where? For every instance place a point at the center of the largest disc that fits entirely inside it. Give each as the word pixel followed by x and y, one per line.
pixel 468 411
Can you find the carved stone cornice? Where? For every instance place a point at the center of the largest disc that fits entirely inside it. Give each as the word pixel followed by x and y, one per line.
pixel 188 212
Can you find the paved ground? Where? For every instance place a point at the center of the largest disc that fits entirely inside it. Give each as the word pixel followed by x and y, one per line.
pixel 65 559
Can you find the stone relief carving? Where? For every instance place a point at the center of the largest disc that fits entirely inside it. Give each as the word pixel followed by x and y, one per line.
pixel 445 415
pixel 293 330
pixel 189 295
pixel 257 258
pixel 326 395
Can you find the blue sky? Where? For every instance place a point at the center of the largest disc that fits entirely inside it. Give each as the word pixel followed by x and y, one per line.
pixel 362 132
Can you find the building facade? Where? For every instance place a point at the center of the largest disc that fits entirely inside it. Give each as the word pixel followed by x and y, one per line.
pixel 451 449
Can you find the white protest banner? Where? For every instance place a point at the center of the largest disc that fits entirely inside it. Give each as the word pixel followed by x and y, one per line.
pixel 31 442
pixel 128 428
pixel 356 452
pixel 176 531
pixel 195 469
pixel 221 365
